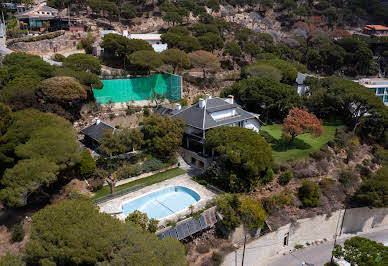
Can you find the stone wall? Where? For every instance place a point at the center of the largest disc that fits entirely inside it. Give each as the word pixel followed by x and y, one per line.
pixel 316 229
pixel 61 43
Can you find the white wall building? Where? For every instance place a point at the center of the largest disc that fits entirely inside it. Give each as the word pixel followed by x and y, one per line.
pixel 379 87
pixel 151 38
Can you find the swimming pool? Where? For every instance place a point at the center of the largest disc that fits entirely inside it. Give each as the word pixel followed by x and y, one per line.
pixel 162 203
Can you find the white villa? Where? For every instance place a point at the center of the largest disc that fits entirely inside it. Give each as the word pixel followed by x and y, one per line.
pixel 378 85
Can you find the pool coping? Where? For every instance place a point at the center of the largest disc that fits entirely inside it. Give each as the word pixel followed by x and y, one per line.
pixel 183 180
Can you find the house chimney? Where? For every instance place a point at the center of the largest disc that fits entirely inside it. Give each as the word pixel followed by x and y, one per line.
pixel 98 121
pixel 208 96
pixel 230 99
pixel 178 106
pixel 201 103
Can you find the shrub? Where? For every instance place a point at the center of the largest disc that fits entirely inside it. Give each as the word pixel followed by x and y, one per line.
pixel 298 246
pixel 146 111
pixel 275 168
pixel 202 249
pixel 127 171
pixel 364 171
pixel 17 232
pixel 268 177
pixel 285 177
pixel 202 182
pixel 217 258
pixel 47 36
pixel 349 155
pixel 151 165
pixel 183 102
pixel 152 225
pixel 305 173
pixel 309 194
pixel 346 177
pixel 87 165
pixel 58 57
pixel 327 183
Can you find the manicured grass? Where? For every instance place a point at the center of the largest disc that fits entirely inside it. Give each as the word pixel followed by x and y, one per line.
pixel 302 146
pixel 147 181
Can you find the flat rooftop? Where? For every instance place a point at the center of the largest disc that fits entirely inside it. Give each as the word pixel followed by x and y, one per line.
pixel 373 82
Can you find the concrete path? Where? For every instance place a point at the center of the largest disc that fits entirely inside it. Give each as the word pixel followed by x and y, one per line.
pixel 317 255
pixel 3 48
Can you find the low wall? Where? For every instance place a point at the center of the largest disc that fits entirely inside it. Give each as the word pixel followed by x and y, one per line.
pixel 318 228
pixel 63 42
pixel 194 159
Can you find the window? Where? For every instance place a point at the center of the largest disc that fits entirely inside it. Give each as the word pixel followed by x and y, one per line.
pixel 285 240
pixel 380 90
pixel 374 90
pixel 386 98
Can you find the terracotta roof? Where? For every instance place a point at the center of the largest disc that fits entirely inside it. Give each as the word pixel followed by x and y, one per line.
pixel 376 27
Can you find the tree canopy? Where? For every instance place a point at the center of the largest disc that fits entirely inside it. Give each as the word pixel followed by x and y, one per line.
pixel 362 252
pixel 34 138
pixel 299 121
pixel 163 135
pixel 146 59
pixel 271 99
pixel 83 62
pixel 62 89
pixel 176 58
pixel 95 237
pixel 205 60
pixel 244 156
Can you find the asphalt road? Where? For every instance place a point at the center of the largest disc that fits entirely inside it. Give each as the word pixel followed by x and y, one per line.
pixel 320 254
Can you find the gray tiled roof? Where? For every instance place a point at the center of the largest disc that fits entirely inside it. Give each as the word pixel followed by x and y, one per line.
pixel 201 117
pixel 96 131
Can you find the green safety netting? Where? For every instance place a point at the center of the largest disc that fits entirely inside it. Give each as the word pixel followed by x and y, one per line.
pixel 135 89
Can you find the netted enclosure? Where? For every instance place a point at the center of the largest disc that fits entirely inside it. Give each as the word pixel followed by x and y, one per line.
pixel 138 89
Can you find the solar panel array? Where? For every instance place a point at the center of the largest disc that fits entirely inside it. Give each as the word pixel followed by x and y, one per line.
pixel 190 226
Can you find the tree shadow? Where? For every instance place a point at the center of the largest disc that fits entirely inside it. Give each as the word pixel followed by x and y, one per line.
pixel 283 145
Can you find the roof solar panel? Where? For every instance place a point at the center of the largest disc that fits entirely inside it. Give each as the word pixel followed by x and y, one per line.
pixel 191 226
pixel 213 218
pixel 196 225
pixel 207 218
pixel 185 230
pixel 203 222
pixel 164 234
pixel 173 233
pixel 180 232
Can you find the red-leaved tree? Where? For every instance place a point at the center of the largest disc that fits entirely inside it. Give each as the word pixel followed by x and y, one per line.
pixel 298 122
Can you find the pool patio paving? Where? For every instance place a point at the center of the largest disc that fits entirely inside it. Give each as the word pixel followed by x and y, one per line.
pixel 114 206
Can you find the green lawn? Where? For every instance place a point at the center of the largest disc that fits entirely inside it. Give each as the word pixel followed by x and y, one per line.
pixel 302 146
pixel 156 178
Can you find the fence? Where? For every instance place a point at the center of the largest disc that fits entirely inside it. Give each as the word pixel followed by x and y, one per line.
pixel 118 194
pixel 137 89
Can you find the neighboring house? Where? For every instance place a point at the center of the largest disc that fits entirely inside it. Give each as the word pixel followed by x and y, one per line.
pixel 94 133
pixel 379 87
pixel 300 86
pixel 153 39
pixel 376 30
pixel 39 16
pixel 207 114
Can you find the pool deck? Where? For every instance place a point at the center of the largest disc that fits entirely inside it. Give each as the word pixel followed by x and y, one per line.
pixel 114 206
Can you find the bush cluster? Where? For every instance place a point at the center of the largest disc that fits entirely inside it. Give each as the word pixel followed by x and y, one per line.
pixel 47 36
pixel 285 177
pixel 309 194
pixel 17 232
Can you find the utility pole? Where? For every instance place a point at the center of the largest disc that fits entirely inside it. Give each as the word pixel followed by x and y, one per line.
pixel 243 255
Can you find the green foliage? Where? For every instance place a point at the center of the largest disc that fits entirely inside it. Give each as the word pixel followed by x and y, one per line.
pixel 46 143
pixel 229 211
pixel 17 232
pixel 62 89
pixel 252 49
pixel 211 41
pixel 178 37
pixel 19 93
pixel 285 177
pixel 146 59
pixel 347 177
pixel 85 78
pixel 268 177
pixel 5 118
pixel 87 43
pixel 150 165
pixel 288 70
pixel 176 58
pixel 309 194
pixel 276 98
pixel 163 135
pixel 362 251
pixel 200 29
pixel 83 62
pixel 233 49
pixel 205 60
pixel 252 213
pixel 127 140
pixel 87 164
pixel 59 57
pixel 95 237
pixel 24 64
pixel 138 218
pixel 11 260
pixel 373 191
pixel 298 246
pixel 245 157
pixel 217 258
pixel 129 11
pixel 262 71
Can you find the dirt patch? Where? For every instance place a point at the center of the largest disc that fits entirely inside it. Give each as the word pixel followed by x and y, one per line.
pixel 6 244
pixel 201 248
pixel 75 186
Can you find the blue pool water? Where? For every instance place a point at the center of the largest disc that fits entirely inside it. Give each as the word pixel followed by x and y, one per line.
pixel 164 202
